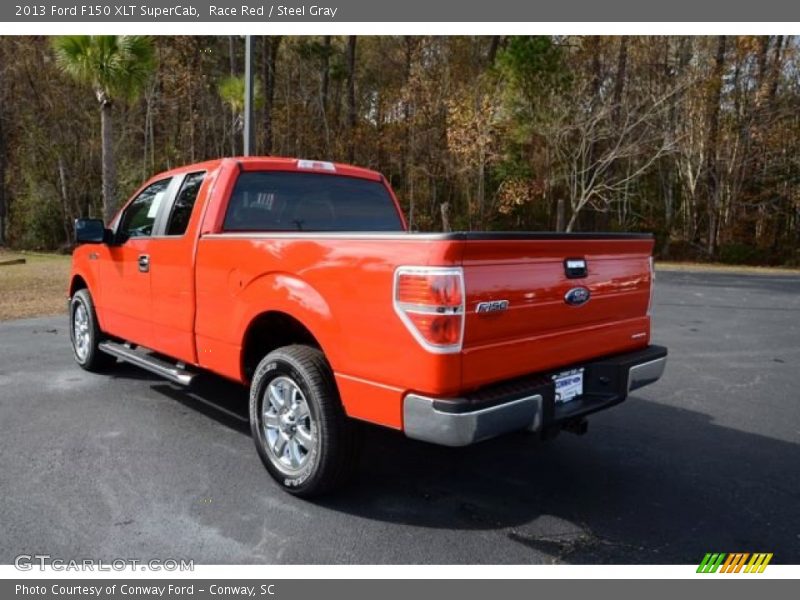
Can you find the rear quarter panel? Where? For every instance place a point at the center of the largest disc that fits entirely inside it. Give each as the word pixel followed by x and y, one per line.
pixel 340 288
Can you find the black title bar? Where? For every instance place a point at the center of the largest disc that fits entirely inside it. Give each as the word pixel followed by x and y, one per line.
pixel 258 11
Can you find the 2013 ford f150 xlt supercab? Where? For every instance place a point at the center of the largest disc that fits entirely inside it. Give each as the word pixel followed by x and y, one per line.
pixel 299 279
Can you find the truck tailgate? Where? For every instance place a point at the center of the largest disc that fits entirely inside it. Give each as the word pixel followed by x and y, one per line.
pixel 539 329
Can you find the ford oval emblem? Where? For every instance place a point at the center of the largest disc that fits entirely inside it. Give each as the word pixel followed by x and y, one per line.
pixel 577 296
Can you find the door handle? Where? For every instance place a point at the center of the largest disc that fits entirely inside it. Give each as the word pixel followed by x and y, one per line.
pixel 144 263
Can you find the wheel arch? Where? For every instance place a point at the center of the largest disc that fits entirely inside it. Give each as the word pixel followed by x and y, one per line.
pixel 77 282
pixel 270 330
pixel 278 309
pixel 82 280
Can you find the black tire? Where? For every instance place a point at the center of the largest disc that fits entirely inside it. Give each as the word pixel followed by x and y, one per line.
pixel 333 457
pixel 88 356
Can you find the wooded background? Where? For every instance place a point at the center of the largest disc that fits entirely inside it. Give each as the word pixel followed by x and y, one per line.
pixel 696 139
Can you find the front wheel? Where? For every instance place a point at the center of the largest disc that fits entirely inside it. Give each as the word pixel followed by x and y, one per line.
pixel 307 443
pixel 85 334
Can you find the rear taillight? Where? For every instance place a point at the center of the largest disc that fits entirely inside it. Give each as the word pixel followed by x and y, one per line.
pixel 652 286
pixel 430 302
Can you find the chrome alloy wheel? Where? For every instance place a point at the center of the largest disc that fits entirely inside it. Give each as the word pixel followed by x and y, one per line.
pixel 289 429
pixel 80 331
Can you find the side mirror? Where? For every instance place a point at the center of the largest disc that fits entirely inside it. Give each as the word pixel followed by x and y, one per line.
pixel 90 231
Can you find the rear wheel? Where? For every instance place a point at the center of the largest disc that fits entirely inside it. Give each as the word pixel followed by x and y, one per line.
pixel 85 334
pixel 309 446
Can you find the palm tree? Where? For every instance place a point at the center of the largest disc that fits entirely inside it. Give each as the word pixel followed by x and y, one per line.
pixel 231 90
pixel 116 66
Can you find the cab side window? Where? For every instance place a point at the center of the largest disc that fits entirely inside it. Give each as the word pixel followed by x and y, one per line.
pixel 184 203
pixel 138 218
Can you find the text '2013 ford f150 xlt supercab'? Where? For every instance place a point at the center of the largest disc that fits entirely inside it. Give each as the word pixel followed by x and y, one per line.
pixel 299 279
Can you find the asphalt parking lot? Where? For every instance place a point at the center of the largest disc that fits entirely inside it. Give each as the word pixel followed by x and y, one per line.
pixel 127 466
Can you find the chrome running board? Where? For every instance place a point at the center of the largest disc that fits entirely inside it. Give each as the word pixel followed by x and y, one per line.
pixel 162 368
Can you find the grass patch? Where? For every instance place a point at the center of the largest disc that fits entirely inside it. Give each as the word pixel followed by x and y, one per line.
pixel 722 268
pixel 33 289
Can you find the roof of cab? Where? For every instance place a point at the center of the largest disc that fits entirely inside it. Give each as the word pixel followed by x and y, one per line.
pixel 279 163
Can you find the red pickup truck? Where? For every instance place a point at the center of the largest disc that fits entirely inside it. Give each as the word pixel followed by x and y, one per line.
pixel 299 279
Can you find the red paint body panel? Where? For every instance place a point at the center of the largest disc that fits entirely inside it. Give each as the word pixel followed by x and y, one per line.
pixel 340 289
pixel 205 288
pixel 539 329
pixel 124 299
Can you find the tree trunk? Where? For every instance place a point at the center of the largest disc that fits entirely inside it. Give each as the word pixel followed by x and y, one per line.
pixel 3 150
pixel 405 153
pixel 481 190
pixel 3 198
pixel 326 73
pixel 596 146
pixel 323 92
pixel 776 67
pixel 712 128
pixel 351 98
pixel 572 220
pixel 668 187
pixel 65 203
pixel 232 55
pixel 622 73
pixel 667 165
pixel 109 168
pixel 768 77
pixel 762 91
pixel 560 213
pixel 493 47
pixel 603 216
pixel 411 205
pixel 597 70
pixel 232 65
pixel 444 207
pixel 147 118
pixel 270 58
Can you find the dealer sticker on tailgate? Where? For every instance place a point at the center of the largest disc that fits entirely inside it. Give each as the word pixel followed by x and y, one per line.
pixel 569 384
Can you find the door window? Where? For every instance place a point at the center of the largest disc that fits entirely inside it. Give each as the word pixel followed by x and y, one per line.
pixel 140 215
pixel 184 203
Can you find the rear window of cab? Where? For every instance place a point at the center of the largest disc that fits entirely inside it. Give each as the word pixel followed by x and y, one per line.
pixel 291 201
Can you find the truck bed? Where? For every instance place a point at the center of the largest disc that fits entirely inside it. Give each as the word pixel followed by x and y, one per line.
pixel 340 286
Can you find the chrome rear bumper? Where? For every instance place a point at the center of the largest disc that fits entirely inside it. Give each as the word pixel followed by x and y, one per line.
pixel 529 403
pixel 422 421
pixel 646 373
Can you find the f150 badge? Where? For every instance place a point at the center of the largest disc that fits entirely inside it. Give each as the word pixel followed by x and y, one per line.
pixel 577 296
pixel 493 306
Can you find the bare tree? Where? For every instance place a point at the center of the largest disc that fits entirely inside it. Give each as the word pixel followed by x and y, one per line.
pixel 233 73
pixel 601 150
pixel 351 97
pixel 65 201
pixel 444 208
pixel 326 72
pixel 3 148
pixel 712 128
pixel 269 62
pixel 325 77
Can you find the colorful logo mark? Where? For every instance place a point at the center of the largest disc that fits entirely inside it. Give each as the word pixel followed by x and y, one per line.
pixel 734 563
